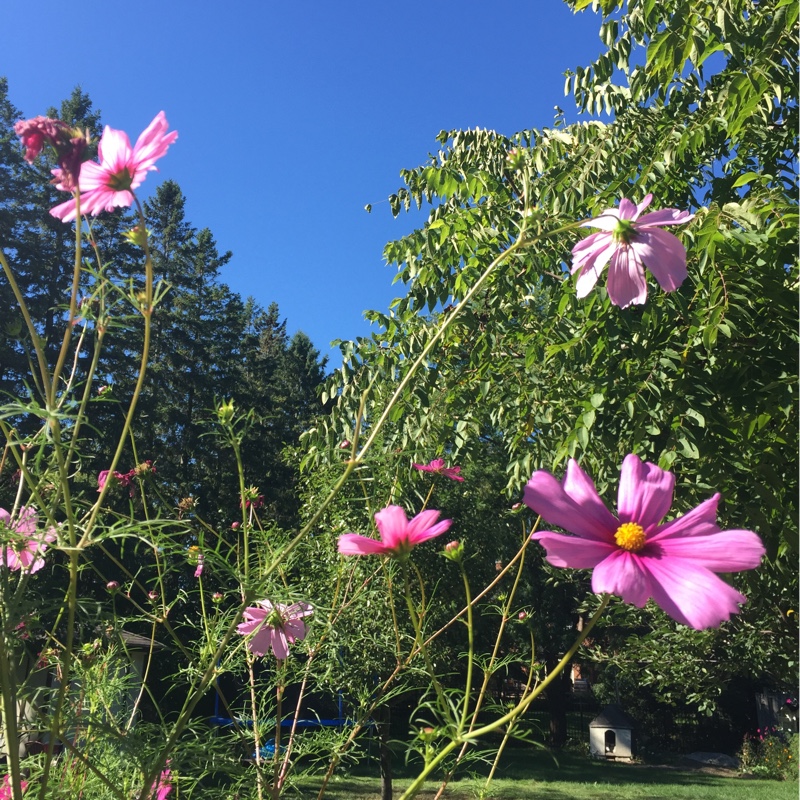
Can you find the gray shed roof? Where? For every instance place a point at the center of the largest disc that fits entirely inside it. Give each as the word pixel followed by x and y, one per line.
pixel 612 716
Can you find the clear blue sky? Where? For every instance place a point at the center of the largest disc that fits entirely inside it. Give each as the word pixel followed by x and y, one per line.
pixel 294 115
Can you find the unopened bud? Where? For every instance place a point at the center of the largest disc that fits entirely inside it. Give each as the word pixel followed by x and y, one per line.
pixel 137 235
pixel 112 586
pixel 454 550
pixel 225 412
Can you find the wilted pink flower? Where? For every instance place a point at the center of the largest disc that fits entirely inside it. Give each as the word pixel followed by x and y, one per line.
pixel 275 626
pixel 6 789
pixel 35 132
pixel 68 143
pixel 398 534
pixel 629 242
pixel 25 547
pixel 638 557
pixel 102 478
pixel 110 184
pixel 437 466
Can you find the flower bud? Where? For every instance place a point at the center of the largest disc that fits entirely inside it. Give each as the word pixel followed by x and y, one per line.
pixel 225 412
pixel 454 551
pixel 216 597
pixel 112 586
pixel 137 235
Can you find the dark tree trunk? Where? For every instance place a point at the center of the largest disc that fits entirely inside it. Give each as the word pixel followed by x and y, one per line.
pixel 557 705
pixel 383 715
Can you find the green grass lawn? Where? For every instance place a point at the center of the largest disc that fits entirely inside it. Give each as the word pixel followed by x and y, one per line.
pixel 533 775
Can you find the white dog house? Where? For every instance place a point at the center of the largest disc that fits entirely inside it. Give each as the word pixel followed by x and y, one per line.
pixel 611 735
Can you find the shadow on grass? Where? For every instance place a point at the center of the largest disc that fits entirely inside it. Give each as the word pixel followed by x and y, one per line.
pixel 542 766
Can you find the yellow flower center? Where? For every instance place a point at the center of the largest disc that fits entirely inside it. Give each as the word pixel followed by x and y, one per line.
pixel 630 536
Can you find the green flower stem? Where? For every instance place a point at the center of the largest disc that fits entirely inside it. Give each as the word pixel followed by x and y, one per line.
pixel 489 670
pixel 276 760
pixel 79 755
pixel 250 658
pixel 507 734
pixel 428 497
pixel 84 402
pixel 512 715
pixel 32 332
pixel 73 308
pixel 9 699
pixel 145 675
pixel 147 314
pixel 237 451
pixel 193 696
pixel 477 597
pixel 470 651
pixel 420 646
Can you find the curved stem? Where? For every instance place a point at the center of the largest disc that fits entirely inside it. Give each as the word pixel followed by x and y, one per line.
pixel 511 715
pixel 420 646
pixel 73 306
pixel 147 314
pixel 470 651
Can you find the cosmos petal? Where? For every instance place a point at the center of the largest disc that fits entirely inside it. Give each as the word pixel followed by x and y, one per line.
pixel 572 551
pixel 573 505
pixel 626 282
pixel 622 574
pixel 645 492
pixel 690 594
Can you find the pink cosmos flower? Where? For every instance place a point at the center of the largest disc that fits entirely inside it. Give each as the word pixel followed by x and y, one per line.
pixel 398 534
pixel 437 466
pixel 26 548
pixel 163 786
pixel 7 791
pixel 628 242
pixel 110 184
pixel 636 556
pixel 275 626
